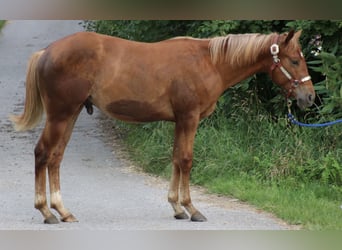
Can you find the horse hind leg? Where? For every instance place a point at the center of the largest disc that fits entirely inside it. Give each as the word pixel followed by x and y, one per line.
pixel 49 153
pixel 40 202
pixel 54 183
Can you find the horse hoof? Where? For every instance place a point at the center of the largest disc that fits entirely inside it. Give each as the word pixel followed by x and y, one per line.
pixel 51 220
pixel 181 216
pixel 198 217
pixel 69 218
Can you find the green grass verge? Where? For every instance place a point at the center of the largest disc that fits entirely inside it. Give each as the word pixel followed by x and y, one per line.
pixel 310 205
pixel 292 172
pixel 2 23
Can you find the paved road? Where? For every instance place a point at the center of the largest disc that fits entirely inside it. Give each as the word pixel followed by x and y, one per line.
pixel 98 187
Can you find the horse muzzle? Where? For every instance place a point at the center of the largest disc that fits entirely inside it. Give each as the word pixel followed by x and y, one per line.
pixel 305 100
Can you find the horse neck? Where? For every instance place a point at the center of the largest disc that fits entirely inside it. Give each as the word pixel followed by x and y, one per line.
pixel 232 75
pixel 234 71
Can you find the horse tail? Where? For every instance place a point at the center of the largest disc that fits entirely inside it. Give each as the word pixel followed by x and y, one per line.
pixel 34 108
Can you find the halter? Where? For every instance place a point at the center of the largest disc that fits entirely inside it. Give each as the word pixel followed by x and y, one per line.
pixel 276 63
pixel 295 83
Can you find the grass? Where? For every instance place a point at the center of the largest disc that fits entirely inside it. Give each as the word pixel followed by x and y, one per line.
pixel 292 172
pixel 298 206
pixel 2 23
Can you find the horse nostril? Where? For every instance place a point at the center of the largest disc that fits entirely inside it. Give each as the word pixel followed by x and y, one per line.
pixel 310 98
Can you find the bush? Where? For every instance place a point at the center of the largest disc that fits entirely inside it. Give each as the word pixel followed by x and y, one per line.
pixel 330 89
pixel 144 31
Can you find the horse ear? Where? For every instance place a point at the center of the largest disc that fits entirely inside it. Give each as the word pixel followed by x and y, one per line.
pixel 289 36
pixel 298 34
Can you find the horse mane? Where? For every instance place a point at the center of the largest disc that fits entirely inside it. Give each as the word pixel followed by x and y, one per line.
pixel 240 49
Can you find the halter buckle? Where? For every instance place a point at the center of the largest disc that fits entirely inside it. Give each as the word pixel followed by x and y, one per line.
pixel 274 49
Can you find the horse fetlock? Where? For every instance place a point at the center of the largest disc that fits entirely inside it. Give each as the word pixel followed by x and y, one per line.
pixel 40 202
pixel 49 218
pixel 54 206
pixel 39 206
pixel 172 197
pixel 176 207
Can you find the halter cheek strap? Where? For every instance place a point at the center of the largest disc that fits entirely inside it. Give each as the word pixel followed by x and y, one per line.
pixel 276 63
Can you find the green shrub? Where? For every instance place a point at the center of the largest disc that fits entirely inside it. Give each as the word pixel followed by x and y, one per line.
pixel 330 89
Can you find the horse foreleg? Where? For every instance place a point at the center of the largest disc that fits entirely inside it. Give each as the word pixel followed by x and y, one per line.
pixel 173 193
pixel 183 154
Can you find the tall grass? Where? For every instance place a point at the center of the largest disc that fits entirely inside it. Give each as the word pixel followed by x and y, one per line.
pixel 293 172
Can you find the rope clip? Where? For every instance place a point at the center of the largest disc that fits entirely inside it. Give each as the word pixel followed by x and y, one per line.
pixel 289 104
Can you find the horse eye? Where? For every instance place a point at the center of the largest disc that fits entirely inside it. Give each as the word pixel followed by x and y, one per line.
pixel 295 62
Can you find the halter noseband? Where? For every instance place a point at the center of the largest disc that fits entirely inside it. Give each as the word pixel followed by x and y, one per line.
pixel 276 63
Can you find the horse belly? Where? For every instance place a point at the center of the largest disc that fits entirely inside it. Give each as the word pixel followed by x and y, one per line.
pixel 136 111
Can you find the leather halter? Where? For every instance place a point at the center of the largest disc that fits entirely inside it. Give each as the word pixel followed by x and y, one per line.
pixel 276 63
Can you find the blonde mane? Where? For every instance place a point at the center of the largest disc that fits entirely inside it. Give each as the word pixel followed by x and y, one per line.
pixel 239 49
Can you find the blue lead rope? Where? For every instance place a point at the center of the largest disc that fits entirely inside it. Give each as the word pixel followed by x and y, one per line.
pixel 294 121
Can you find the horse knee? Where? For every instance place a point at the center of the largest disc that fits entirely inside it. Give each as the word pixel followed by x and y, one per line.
pixel 186 162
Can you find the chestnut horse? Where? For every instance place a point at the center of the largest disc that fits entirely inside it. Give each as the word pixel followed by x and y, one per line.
pixel 178 80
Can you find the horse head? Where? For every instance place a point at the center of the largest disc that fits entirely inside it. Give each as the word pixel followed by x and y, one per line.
pixel 289 69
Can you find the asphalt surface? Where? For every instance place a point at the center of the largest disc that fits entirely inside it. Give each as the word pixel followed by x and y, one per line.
pixel 100 188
